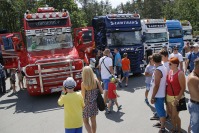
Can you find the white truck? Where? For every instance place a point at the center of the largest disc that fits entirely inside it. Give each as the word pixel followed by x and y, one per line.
pixel 155 35
pixel 187 31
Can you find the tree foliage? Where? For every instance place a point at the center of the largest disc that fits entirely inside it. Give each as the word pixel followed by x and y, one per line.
pixel 12 11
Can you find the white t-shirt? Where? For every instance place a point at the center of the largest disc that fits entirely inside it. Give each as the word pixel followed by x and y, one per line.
pixel 178 55
pixel 162 86
pixel 166 64
pixel 105 74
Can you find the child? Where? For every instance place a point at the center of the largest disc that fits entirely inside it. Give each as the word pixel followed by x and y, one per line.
pixel 73 107
pixel 148 76
pixel 13 80
pixel 112 95
pixel 20 78
pixel 125 68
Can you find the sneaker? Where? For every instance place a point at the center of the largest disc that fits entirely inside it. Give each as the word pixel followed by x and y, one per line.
pixel 108 112
pixel 126 85
pixel 119 108
pixel 154 117
pixel 146 101
pixel 158 125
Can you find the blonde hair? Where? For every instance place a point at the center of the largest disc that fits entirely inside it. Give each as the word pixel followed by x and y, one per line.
pixel 88 78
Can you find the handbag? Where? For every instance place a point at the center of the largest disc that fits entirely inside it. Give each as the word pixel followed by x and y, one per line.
pixel 181 104
pixel 100 101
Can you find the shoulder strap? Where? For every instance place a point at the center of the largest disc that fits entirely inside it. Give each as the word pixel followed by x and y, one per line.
pixel 105 65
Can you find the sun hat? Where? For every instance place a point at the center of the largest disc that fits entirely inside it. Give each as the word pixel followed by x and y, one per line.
pixel 69 83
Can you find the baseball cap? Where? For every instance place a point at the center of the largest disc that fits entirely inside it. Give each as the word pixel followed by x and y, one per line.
pixel 195 45
pixel 69 83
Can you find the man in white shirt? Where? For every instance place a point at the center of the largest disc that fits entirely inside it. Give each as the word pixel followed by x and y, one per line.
pixel 178 55
pixel 106 69
pixel 158 88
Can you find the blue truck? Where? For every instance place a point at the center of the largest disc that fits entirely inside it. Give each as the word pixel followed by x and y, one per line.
pixel 175 34
pixel 122 31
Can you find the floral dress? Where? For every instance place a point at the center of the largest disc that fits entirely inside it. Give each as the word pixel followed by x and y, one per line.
pixel 90 101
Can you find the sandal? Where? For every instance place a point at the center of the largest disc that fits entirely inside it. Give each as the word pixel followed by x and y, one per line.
pixel 162 130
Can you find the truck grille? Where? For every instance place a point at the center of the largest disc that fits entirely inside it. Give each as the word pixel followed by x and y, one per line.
pixel 52 72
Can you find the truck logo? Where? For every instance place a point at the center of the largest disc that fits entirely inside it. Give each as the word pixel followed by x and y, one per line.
pixel 123 22
pixel 156 25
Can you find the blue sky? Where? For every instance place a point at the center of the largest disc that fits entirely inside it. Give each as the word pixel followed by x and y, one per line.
pixel 115 3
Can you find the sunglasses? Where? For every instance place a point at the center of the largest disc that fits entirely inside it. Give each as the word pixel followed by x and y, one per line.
pixel 175 49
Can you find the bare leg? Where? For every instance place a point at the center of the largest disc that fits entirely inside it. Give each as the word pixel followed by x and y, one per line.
pixel 87 125
pixel 105 96
pixel 122 79
pixel 146 94
pixel 109 105
pixel 162 121
pixel 127 80
pixel 93 124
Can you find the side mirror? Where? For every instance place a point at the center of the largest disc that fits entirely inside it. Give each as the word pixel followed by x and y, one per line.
pixel 143 38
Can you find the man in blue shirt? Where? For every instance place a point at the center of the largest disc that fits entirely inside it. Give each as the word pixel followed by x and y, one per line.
pixel 118 65
pixel 192 56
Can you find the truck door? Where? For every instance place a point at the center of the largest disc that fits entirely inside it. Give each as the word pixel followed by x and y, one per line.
pixel 84 41
pixel 11 46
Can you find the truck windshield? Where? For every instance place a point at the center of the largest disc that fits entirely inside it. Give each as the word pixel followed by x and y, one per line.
pixel 49 42
pixel 124 38
pixel 175 33
pixel 187 32
pixel 156 37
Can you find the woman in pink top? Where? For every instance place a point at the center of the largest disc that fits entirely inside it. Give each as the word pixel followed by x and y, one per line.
pixel 175 89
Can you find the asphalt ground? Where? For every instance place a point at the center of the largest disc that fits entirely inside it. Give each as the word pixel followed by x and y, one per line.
pixel 22 113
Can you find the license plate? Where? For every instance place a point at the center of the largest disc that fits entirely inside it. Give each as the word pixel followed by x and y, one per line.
pixel 56 90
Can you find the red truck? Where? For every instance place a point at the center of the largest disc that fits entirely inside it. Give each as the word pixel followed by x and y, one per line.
pixel 49 56
pixel 84 43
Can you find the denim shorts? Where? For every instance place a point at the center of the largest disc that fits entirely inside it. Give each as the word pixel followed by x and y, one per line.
pixel 194 117
pixel 125 73
pixel 105 82
pixel 159 106
pixel 148 85
pixel 118 70
pixel 73 130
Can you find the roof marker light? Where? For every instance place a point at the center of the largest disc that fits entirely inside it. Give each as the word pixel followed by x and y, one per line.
pixel 47 15
pixel 29 16
pixel 40 15
pixel 60 14
pixel 53 14
pixel 34 16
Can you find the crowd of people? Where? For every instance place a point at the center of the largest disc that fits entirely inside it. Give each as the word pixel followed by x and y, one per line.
pixel 165 81
pixel 12 76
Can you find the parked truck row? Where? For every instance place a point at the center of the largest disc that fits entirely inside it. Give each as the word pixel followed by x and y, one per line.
pixel 51 55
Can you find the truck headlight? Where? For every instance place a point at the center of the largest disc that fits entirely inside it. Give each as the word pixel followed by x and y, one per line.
pixel 32 81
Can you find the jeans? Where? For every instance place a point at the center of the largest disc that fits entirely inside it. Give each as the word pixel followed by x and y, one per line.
pixel 194 117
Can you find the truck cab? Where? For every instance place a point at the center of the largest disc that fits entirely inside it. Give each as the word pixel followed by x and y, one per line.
pixel 187 30
pixel 121 31
pixel 175 34
pixel 50 54
pixel 155 35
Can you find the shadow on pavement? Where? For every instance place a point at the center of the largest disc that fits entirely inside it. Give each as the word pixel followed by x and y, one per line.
pixel 115 116
pixel 24 103
pixel 134 84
